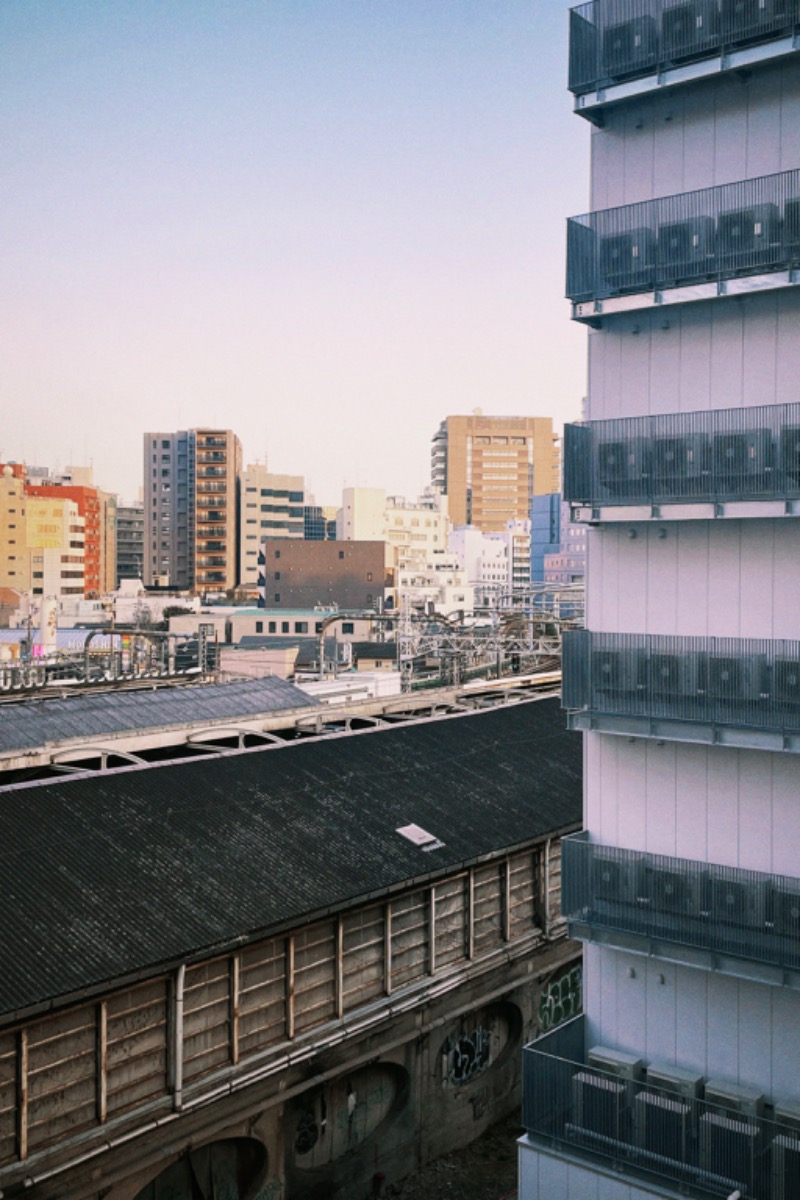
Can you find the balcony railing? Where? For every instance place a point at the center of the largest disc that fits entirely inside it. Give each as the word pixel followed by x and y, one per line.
pixel 739 228
pixel 665 1134
pixel 613 40
pixel 725 910
pixel 743 682
pixel 721 455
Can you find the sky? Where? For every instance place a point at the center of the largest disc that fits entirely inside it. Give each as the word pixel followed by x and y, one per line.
pixel 324 224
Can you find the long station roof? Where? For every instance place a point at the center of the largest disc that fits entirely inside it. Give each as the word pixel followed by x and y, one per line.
pixel 121 873
pixel 34 723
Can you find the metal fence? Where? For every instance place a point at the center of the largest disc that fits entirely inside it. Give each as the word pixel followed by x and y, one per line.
pixel 713 233
pixel 664 1133
pixel 612 40
pixel 727 910
pixel 724 454
pixel 746 682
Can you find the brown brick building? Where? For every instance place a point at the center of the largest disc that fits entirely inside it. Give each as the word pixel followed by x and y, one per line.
pixel 300 574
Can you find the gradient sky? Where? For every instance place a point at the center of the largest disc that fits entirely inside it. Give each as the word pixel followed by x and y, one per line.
pixel 325 224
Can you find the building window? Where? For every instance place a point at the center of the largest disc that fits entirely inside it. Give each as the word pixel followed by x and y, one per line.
pixel 277 553
pixel 277 597
pixel 341 554
pixel 272 627
pixel 318 627
pixel 301 626
pixel 347 627
pixel 284 626
pixel 277 575
pixel 259 626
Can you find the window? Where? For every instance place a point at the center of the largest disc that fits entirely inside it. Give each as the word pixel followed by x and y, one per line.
pixel 277 597
pixel 301 626
pixel 277 575
pixel 318 627
pixel 272 626
pixel 347 627
pixel 341 554
pixel 259 626
pixel 277 553
pixel 284 626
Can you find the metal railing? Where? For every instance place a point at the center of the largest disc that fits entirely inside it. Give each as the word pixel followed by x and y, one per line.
pixel 723 454
pixel 727 910
pixel 612 40
pixel 744 682
pixel 737 228
pixel 649 1131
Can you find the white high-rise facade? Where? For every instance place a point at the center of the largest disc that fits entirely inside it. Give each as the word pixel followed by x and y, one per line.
pixel 683 1075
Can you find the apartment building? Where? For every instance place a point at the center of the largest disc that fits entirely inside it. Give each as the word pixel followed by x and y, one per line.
pixel 683 1078
pixel 191 509
pixel 489 467
pixel 271 506
pixel 418 529
pixel 130 541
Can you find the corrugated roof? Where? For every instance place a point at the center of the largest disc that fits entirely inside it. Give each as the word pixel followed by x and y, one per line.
pixel 33 723
pixel 109 874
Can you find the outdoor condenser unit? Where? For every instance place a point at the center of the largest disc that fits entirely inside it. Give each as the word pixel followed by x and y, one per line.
pixel 627 259
pixel 630 46
pixel 686 249
pixel 688 28
pixel 747 235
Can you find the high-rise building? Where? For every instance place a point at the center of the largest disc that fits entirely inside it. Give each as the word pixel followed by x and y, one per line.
pixel 682 1077
pixel 191 509
pixel 130 541
pixel 489 467
pixel 169 508
pixel 271 506
pixel 417 529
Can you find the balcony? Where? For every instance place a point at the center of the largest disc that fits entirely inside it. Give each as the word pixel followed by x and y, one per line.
pixel 695 246
pixel 727 691
pixel 668 906
pixel 658 1125
pixel 624 48
pixel 211 473
pixel 728 462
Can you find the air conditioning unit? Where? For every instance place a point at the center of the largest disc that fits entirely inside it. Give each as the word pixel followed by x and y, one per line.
pixel 687 28
pixel 687 1085
pixel 679 465
pixel 784 1155
pixel 662 1125
pixel 630 46
pixel 790 455
pixel 616 1062
pixel 791 227
pixel 627 260
pixel 613 879
pixel 686 249
pixel 598 1104
pixel 676 892
pixel 742 460
pixel 735 678
pixel 729 1149
pixel 617 671
pixel 672 674
pixel 622 466
pixel 784 911
pixel 735 902
pixel 731 1098
pixel 747 235
pixel 786 681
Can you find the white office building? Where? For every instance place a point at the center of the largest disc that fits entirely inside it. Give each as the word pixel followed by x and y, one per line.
pixel 682 1078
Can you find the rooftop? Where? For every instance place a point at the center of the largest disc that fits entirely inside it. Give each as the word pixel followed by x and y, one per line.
pixel 113 875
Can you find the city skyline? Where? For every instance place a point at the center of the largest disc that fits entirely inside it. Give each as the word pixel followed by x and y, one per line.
pixel 311 223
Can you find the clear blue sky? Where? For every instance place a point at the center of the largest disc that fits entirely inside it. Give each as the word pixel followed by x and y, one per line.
pixel 326 224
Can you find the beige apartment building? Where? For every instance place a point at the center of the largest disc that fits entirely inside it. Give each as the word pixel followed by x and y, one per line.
pixel 489 467
pixel 271 506
pixel 42 540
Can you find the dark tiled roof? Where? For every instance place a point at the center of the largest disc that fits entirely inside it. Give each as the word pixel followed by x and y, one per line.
pixel 30 724
pixel 116 873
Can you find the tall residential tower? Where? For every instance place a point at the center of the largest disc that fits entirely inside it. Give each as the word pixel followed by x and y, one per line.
pixel 683 1077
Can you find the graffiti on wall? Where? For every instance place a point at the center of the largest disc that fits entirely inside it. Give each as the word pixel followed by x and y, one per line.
pixel 467 1055
pixel 561 999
